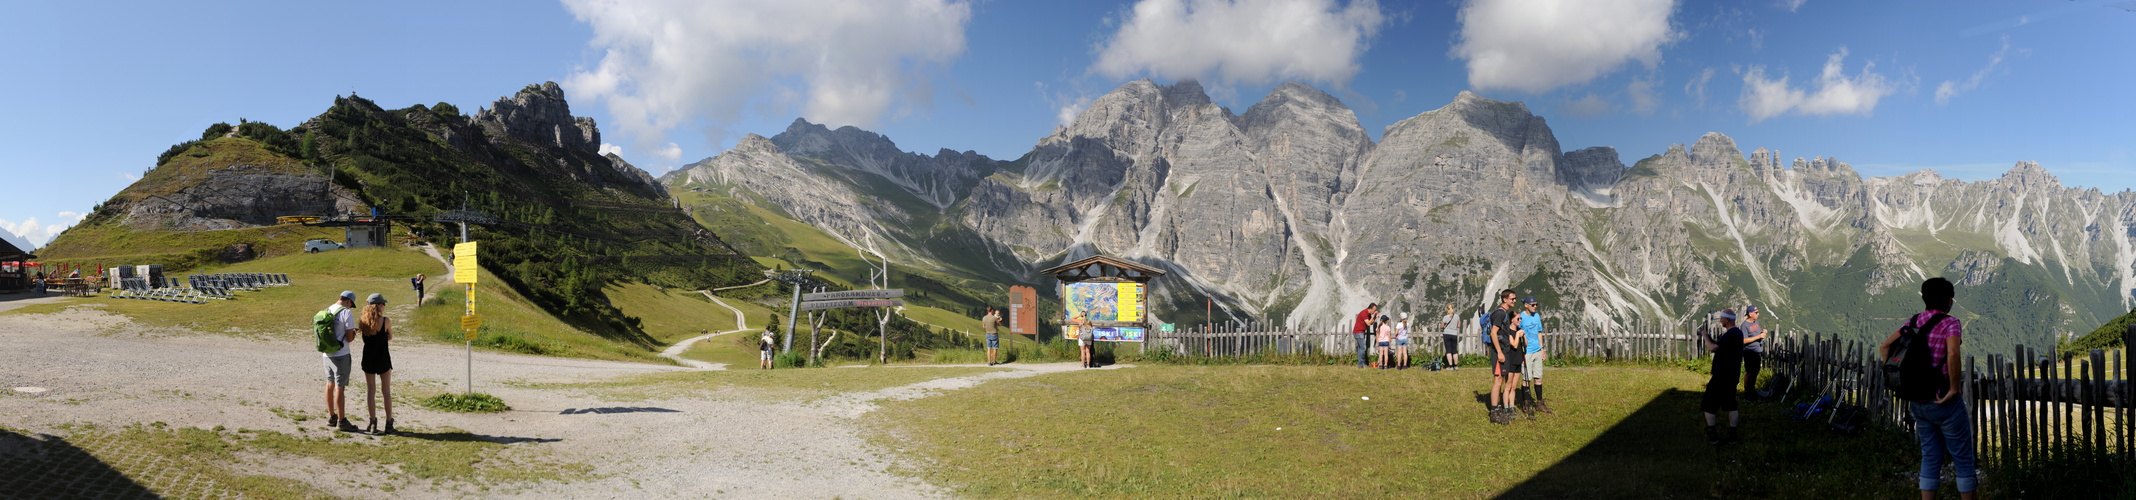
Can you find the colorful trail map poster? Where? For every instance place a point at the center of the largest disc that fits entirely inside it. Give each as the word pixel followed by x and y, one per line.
pixel 1121 302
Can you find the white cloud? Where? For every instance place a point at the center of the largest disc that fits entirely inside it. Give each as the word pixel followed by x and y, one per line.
pixel 1697 86
pixel 1951 88
pixel 672 153
pixel 129 177
pixel 607 149
pixel 1065 108
pixel 31 234
pixel 1792 5
pixel 1644 101
pixel 1539 45
pixel 1587 107
pixel 665 63
pixel 1836 94
pixel 1241 41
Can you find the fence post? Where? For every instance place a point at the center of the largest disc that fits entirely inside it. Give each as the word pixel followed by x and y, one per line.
pixel 2096 380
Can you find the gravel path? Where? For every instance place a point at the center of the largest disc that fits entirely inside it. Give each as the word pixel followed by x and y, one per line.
pixel 674 352
pixel 103 369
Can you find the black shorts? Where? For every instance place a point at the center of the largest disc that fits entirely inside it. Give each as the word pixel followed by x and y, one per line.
pixel 1453 344
pixel 1718 398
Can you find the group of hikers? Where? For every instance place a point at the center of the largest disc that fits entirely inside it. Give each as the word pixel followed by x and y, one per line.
pixel 1512 344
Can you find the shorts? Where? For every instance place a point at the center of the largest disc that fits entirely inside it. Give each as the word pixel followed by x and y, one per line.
pixel 1401 342
pixel 1384 344
pixel 337 370
pixel 993 341
pixel 1532 367
pixel 1719 398
pixel 1511 366
pixel 1453 344
pixel 764 355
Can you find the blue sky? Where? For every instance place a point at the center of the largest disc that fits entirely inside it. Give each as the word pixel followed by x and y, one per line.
pixel 1966 88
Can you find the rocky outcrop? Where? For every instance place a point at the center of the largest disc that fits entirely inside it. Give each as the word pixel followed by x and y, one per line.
pixel 238 196
pixel 540 115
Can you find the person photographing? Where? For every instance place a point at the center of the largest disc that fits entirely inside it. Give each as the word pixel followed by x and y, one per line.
pixel 1720 395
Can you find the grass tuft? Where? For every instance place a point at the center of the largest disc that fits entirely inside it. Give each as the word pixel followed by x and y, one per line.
pixel 466 403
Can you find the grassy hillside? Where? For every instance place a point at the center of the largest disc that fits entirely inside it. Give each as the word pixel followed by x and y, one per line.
pixel 511 322
pixel 572 227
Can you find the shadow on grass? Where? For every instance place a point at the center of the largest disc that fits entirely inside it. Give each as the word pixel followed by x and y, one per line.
pixel 1656 452
pixel 458 436
pixel 51 467
pixel 618 409
pixel 1660 451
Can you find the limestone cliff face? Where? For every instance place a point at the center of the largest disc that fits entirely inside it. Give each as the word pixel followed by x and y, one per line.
pixel 1290 211
pixel 540 114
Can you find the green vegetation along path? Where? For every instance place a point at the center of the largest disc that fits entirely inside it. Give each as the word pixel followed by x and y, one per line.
pixel 674 352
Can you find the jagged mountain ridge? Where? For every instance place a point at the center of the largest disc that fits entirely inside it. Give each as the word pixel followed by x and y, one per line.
pixel 1291 212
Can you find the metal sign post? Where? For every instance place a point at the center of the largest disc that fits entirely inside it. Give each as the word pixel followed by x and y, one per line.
pixel 465 270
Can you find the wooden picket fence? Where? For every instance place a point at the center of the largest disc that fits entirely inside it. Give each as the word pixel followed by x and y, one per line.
pixel 1240 339
pixel 2026 408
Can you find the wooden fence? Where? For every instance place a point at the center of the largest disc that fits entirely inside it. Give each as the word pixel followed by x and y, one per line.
pixel 1250 339
pixel 2026 408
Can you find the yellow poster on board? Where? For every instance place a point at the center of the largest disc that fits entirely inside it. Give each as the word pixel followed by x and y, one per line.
pixel 463 263
pixel 1130 302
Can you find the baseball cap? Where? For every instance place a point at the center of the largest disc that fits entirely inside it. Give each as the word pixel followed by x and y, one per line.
pixel 1405 315
pixel 1530 299
pixel 351 296
pixel 1751 309
pixel 1728 313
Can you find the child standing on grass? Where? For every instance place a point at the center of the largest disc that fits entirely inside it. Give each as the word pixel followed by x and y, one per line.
pixel 1386 337
pixel 1401 342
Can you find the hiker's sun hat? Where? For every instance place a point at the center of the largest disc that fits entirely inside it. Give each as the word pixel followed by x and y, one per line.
pixel 376 299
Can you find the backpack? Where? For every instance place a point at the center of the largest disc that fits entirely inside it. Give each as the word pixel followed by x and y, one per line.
pixel 1909 371
pixel 323 328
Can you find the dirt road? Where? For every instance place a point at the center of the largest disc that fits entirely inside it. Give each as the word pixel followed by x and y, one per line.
pixel 100 368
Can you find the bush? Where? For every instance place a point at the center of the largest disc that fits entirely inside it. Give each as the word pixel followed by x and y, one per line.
pixel 466 403
pixel 790 359
pixel 217 130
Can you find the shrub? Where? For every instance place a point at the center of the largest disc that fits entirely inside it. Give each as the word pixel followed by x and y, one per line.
pixel 466 403
pixel 219 129
pixel 790 359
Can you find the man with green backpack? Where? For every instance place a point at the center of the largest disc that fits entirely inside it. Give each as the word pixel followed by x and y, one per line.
pixel 333 328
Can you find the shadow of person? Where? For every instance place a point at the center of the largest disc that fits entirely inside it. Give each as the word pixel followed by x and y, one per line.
pixel 50 467
pixel 464 436
pixel 618 409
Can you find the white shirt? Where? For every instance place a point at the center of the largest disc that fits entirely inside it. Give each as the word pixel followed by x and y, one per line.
pixel 344 320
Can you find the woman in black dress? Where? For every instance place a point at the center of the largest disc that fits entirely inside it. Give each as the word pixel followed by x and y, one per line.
pixel 377 361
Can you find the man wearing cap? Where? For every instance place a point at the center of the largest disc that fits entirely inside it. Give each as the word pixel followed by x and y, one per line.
pixel 1506 352
pixel 1720 395
pixel 1753 351
pixel 1362 331
pixel 337 363
pixel 1531 373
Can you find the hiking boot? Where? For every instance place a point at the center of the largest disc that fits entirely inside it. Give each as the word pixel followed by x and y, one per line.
pixel 1730 437
pixel 332 421
pixel 389 427
pixel 1494 416
pixel 1545 406
pixel 348 427
pixel 1712 438
pixel 1529 410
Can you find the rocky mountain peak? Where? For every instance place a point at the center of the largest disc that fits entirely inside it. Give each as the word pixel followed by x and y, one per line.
pixel 1715 148
pixel 540 114
pixel 2028 176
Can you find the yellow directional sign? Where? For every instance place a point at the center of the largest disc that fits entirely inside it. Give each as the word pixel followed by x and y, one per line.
pixel 469 324
pixel 463 263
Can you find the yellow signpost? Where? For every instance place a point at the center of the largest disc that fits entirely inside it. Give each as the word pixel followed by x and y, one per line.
pixel 464 269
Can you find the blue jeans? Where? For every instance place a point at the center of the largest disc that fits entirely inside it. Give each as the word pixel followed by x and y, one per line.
pixel 1364 346
pixel 1944 428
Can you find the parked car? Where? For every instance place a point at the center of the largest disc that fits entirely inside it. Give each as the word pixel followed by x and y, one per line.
pixel 317 245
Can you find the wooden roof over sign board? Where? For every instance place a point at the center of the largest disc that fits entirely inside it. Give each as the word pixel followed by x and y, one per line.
pixel 1103 268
